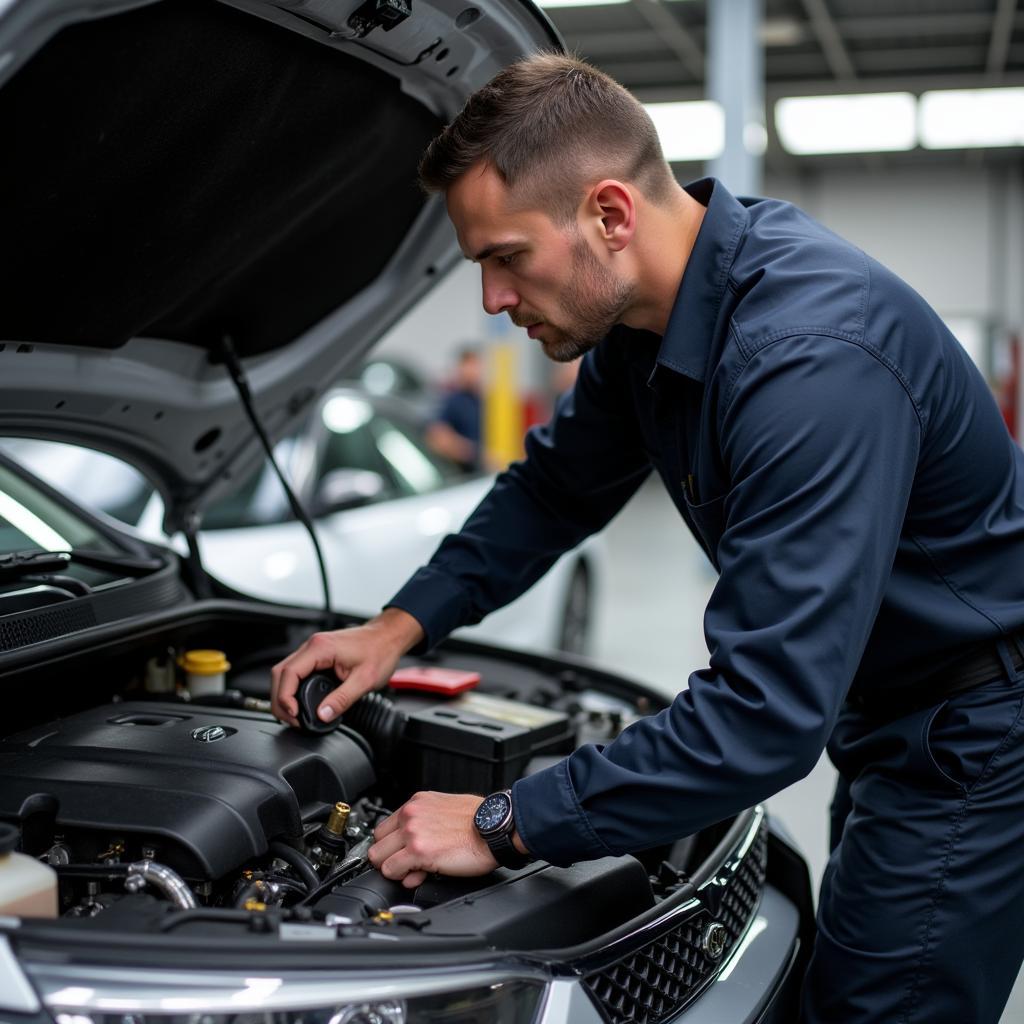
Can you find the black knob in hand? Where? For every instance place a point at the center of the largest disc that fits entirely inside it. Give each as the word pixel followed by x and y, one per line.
pixel 309 697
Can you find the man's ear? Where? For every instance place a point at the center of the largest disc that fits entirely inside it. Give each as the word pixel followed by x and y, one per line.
pixel 611 208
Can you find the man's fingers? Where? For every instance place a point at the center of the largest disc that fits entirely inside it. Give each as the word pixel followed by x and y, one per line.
pixel 385 848
pixel 401 863
pixel 277 709
pixel 338 701
pixel 319 652
pixel 386 827
pixel 414 879
pixel 361 658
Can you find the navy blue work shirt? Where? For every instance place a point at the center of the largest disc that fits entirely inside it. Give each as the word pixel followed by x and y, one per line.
pixel 461 411
pixel 838 457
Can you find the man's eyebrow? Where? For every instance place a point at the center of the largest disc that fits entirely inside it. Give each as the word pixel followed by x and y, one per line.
pixel 492 250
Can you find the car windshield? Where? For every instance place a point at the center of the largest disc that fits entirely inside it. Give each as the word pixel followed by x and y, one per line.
pixel 96 480
pixel 378 449
pixel 30 520
pixel 349 454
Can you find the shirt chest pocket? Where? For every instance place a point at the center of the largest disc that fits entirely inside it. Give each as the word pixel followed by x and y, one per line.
pixel 708 521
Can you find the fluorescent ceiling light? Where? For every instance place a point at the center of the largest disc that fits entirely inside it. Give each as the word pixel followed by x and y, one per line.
pixel 782 32
pixel 863 123
pixel 966 118
pixel 548 4
pixel 693 130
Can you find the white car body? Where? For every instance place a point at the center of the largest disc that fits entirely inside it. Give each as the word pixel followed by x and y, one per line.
pixel 369 550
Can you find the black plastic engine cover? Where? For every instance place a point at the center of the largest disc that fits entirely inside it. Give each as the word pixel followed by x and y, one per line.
pixel 540 906
pixel 208 787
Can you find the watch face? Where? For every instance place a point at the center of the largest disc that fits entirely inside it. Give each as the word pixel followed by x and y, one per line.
pixel 493 812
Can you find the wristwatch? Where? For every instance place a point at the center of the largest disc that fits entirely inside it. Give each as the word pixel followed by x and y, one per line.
pixel 495 823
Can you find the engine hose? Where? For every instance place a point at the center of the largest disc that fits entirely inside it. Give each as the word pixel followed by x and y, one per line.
pixel 271 889
pixel 252 891
pixel 298 861
pixel 353 863
pixel 377 719
pixel 169 882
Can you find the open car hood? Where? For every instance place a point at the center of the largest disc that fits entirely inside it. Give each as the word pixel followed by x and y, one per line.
pixel 188 171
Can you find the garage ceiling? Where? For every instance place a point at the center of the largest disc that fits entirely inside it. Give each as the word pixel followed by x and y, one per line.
pixel 657 48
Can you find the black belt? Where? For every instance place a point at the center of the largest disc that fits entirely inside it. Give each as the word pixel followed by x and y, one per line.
pixel 980 663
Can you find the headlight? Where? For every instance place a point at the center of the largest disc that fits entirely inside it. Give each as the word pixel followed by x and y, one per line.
pixel 193 999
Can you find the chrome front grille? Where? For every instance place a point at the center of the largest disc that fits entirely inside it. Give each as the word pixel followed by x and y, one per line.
pixel 654 982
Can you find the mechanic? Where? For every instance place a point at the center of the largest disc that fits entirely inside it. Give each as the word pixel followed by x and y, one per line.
pixel 455 431
pixel 844 466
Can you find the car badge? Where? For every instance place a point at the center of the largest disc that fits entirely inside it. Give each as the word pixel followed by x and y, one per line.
pixel 209 733
pixel 715 938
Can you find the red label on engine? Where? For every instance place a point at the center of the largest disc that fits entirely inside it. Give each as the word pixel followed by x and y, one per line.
pixel 447 681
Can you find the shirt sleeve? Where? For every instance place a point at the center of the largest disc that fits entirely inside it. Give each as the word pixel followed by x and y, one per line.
pixel 820 441
pixel 580 469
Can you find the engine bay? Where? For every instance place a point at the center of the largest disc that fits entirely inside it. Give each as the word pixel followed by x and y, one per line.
pixel 161 808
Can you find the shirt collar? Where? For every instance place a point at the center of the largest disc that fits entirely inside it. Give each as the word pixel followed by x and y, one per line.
pixel 688 337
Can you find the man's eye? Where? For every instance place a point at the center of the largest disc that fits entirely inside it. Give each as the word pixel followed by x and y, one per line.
pixel 508 259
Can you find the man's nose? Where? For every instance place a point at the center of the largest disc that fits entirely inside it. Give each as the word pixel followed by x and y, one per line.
pixel 498 296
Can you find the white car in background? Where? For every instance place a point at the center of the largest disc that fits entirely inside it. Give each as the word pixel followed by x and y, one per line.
pixel 380 502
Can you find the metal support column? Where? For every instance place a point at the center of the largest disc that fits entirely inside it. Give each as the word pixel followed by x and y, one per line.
pixel 735 78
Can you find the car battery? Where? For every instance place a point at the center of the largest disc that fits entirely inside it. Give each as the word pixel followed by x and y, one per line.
pixel 476 743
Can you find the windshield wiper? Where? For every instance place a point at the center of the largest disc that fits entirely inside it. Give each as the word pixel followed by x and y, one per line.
pixel 16 565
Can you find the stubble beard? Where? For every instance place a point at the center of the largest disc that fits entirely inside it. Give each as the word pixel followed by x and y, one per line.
pixel 592 304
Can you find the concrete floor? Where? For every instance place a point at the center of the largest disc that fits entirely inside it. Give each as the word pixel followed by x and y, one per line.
pixel 651 629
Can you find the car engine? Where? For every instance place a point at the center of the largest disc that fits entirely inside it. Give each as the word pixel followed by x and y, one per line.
pixel 200 805
pixel 200 790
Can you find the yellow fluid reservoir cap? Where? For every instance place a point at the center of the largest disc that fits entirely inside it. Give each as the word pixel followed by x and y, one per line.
pixel 204 663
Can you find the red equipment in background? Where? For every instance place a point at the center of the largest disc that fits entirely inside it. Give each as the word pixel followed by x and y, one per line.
pixel 1008 388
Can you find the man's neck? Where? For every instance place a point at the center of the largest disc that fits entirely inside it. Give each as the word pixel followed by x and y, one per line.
pixel 670 234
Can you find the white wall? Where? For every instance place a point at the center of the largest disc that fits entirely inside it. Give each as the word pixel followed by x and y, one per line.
pixel 451 317
pixel 447 319
pixel 953 233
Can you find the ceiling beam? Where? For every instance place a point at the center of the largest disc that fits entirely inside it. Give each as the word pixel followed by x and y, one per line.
pixel 999 43
pixel 925 60
pixel 655 90
pixel 829 39
pixel 614 44
pixel 886 26
pixel 673 35
pixel 889 28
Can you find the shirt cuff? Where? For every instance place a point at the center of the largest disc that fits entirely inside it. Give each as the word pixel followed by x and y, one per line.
pixel 437 602
pixel 550 821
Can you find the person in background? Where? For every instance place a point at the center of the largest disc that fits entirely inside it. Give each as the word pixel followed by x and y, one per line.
pixel 455 431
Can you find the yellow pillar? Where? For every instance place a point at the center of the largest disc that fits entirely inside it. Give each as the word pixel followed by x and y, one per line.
pixel 503 412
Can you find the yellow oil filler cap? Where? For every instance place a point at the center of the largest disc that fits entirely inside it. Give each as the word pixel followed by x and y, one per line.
pixel 204 671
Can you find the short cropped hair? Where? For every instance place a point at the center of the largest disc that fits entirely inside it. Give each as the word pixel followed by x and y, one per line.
pixel 550 124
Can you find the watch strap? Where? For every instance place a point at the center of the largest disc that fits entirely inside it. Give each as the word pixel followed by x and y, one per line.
pixel 505 852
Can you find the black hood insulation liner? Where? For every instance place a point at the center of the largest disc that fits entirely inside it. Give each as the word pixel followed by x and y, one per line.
pixel 186 171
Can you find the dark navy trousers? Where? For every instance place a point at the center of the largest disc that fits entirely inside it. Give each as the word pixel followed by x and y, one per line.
pixel 921 913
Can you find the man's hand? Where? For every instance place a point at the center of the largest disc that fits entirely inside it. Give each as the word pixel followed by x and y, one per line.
pixel 431 832
pixel 363 659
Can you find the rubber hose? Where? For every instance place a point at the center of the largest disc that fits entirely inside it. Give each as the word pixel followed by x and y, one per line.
pixel 377 719
pixel 251 892
pixel 298 861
